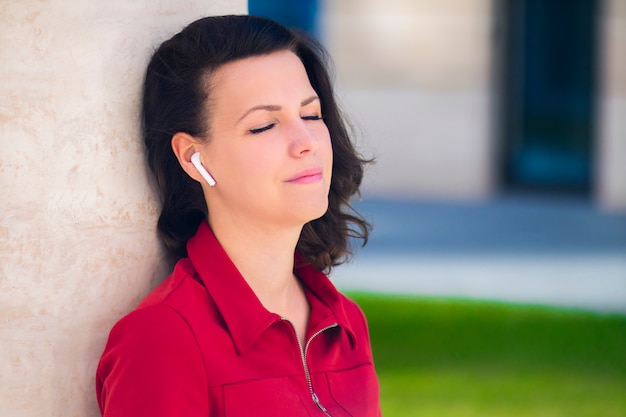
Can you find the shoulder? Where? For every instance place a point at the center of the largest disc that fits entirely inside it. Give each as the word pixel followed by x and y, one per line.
pixel 155 336
pixel 150 323
pixel 151 364
pixel 165 317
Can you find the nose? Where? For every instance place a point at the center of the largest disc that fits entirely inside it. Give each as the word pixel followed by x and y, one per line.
pixel 303 139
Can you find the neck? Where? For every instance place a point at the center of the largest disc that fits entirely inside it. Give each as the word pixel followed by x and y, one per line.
pixel 265 258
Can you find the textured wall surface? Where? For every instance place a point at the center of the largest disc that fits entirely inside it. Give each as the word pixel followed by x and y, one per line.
pixel 77 242
pixel 611 161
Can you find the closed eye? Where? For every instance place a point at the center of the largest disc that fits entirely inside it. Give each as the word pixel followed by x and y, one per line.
pixel 312 117
pixel 262 129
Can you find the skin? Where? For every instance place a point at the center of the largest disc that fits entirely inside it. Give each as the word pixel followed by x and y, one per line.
pixel 271 156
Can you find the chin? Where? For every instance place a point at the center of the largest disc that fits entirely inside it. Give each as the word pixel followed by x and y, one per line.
pixel 311 211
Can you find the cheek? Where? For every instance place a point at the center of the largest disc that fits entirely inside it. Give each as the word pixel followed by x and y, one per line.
pixel 251 162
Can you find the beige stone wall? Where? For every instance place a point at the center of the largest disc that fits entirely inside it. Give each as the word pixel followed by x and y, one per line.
pixel 77 242
pixel 415 77
pixel 611 151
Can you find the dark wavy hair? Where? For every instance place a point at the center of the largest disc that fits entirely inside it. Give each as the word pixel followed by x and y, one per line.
pixel 176 98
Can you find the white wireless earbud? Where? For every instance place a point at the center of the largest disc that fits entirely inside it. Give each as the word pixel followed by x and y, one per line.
pixel 195 160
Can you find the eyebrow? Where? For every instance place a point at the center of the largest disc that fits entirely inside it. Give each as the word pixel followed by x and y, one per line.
pixel 273 107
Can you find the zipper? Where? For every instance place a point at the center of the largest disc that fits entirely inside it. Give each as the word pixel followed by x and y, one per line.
pixel 303 352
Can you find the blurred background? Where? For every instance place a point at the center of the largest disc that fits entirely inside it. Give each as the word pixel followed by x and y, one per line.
pixel 499 132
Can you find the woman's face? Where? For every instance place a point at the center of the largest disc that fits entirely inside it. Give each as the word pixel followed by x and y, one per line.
pixel 269 149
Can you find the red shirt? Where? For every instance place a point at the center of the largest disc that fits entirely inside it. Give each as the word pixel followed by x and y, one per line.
pixel 202 344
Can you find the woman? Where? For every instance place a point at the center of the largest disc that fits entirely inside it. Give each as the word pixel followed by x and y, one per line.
pixel 254 165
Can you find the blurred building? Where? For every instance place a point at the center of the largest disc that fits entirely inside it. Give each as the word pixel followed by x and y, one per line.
pixel 467 99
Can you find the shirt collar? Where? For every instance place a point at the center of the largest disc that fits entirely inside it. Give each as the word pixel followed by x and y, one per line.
pixel 243 313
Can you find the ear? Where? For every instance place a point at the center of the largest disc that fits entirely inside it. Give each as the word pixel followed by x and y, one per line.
pixel 184 145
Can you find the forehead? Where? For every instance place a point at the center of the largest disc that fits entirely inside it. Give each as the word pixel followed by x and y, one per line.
pixel 276 76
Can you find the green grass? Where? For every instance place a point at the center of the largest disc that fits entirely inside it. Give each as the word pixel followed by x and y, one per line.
pixel 466 358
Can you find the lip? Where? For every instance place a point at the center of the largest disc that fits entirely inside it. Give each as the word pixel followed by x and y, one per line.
pixel 307 176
